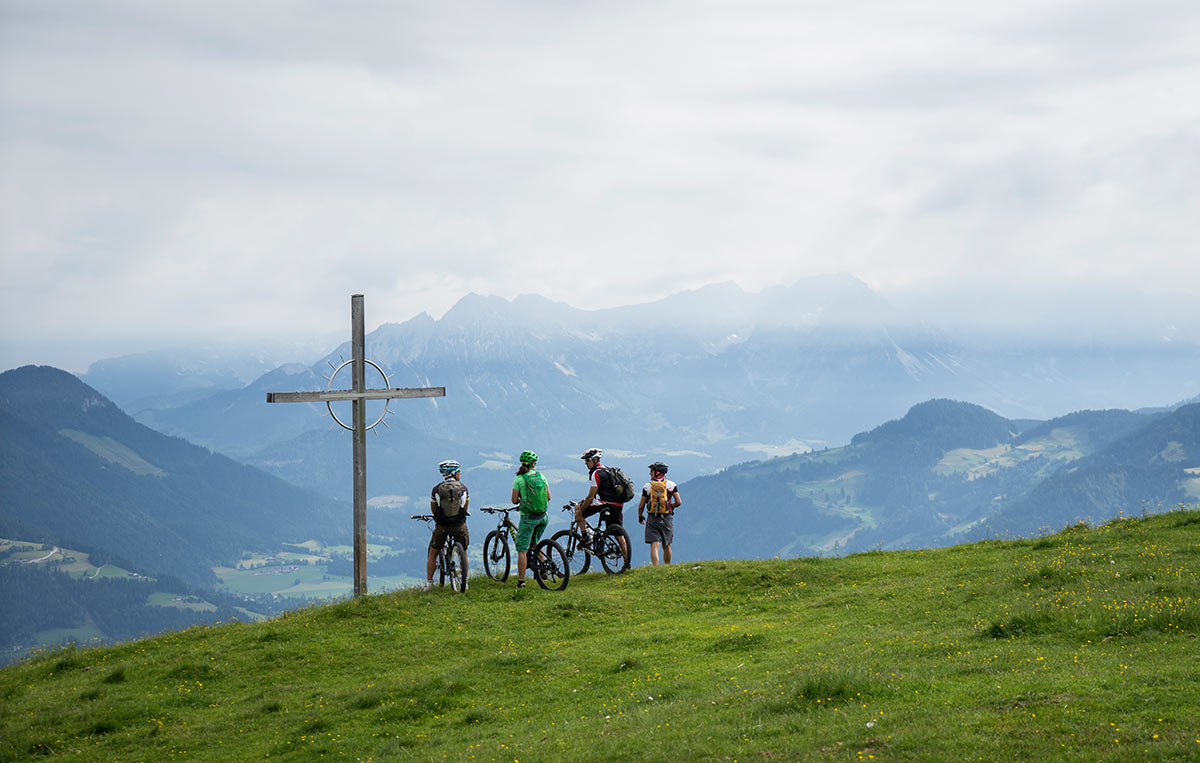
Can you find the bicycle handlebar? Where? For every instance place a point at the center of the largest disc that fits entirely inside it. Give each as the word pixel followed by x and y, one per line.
pixel 423 517
pixel 498 509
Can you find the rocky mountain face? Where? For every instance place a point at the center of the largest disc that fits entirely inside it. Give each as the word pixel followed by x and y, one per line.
pixel 707 377
pixel 702 379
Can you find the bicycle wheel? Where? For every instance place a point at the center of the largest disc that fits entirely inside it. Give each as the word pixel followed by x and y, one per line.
pixel 496 559
pixel 454 568
pixel 550 568
pixel 612 557
pixel 577 559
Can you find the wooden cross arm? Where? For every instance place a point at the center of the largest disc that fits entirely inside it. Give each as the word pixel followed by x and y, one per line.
pixel 334 395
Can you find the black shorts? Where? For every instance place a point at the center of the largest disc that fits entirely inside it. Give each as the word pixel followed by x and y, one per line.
pixel 440 532
pixel 610 513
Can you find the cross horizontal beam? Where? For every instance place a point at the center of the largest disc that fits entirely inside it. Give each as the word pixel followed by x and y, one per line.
pixel 335 395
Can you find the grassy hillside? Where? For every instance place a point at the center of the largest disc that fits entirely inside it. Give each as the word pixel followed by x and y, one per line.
pixel 1080 645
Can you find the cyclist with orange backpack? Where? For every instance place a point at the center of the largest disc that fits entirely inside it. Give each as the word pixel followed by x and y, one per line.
pixel 660 498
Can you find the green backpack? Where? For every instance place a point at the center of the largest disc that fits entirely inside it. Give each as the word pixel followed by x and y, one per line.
pixel 536 494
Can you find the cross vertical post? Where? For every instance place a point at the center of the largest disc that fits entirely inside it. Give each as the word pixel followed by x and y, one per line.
pixel 357 347
pixel 358 396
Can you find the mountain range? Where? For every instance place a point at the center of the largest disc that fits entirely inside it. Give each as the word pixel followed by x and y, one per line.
pixel 703 379
pixel 945 473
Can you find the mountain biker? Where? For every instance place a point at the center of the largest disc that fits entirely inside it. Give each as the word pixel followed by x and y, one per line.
pixel 448 502
pixel 660 497
pixel 612 513
pixel 531 492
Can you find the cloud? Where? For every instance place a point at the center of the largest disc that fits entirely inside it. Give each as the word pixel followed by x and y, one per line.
pixel 171 169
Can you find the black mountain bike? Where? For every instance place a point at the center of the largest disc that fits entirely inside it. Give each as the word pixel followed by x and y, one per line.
pixel 611 545
pixel 546 560
pixel 451 562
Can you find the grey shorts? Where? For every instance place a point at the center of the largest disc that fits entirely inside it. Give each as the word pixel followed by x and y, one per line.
pixel 660 528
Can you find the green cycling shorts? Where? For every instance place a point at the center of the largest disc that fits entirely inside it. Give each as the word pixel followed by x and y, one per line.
pixel 530 531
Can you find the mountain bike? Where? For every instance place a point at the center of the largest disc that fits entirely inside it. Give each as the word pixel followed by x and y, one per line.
pixel 605 544
pixel 546 560
pixel 451 561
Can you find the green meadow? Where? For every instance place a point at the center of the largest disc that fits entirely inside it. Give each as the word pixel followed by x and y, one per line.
pixel 1080 646
pixel 77 564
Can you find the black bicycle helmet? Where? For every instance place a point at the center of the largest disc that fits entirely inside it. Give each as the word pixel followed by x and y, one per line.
pixel 658 466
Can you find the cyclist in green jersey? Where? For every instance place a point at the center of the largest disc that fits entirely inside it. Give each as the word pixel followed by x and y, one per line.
pixel 530 491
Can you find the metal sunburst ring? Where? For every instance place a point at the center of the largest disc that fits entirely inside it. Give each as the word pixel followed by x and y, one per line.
pixel 333 375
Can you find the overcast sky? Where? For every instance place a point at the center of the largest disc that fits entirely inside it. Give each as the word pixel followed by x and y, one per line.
pixel 171 171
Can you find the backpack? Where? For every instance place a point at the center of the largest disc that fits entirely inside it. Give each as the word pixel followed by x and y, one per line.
pixel 536 494
pixel 617 488
pixel 660 499
pixel 450 510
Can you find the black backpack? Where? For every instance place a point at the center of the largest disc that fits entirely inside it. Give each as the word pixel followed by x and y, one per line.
pixel 450 510
pixel 615 487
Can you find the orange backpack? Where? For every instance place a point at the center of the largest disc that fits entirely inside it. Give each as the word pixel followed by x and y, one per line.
pixel 660 499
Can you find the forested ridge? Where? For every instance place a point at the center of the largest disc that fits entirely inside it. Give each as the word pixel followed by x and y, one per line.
pixel 197 510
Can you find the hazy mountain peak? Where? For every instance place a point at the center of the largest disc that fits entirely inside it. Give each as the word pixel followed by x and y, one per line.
pixel 45 393
pixel 476 307
pixel 946 424
pixel 537 301
pixel 420 319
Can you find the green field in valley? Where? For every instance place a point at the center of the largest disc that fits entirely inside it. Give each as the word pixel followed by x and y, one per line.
pixel 180 602
pixel 1080 645
pixel 75 563
pixel 304 575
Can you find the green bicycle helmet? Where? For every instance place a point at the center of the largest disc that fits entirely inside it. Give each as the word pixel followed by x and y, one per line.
pixel 528 457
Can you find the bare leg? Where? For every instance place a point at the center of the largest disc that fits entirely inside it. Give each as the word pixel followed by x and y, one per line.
pixel 522 564
pixel 666 554
pixel 431 564
pixel 654 552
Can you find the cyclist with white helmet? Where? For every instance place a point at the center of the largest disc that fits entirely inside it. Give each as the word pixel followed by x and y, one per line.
pixel 611 512
pixel 532 494
pixel 448 502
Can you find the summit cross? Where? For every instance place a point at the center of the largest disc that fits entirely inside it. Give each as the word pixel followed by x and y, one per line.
pixel 358 395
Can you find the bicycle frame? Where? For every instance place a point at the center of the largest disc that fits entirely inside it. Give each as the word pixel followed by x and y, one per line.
pixel 497 556
pixel 598 546
pixel 448 561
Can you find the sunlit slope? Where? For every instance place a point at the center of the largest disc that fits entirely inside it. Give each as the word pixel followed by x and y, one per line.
pixel 1080 644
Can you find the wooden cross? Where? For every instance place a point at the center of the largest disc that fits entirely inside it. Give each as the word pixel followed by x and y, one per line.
pixel 358 395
